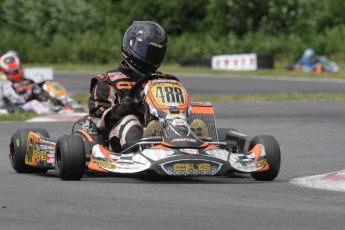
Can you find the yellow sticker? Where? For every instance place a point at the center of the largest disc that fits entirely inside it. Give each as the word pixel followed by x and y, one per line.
pixel 168 93
pixel 203 167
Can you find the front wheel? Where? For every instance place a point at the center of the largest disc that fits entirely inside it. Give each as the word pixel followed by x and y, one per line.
pixel 273 157
pixel 70 157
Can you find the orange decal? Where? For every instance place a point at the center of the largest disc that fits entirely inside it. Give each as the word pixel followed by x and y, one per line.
pixel 265 168
pixel 124 85
pixel 160 147
pixel 205 144
pixel 257 151
pixel 166 93
pixel 203 109
pixel 55 88
pixel 211 147
pixel 89 138
pixel 166 144
pixel 93 167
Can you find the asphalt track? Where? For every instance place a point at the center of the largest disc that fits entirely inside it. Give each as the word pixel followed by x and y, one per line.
pixel 222 85
pixel 311 137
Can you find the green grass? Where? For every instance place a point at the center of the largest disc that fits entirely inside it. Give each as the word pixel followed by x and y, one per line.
pixel 279 70
pixel 281 97
pixel 82 98
pixel 17 116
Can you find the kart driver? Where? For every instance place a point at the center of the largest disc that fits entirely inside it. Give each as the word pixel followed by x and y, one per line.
pixel 308 61
pixel 11 67
pixel 15 90
pixel 8 68
pixel 143 50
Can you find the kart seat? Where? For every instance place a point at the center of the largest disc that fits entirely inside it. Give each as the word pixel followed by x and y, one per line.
pixel 199 128
pixel 153 128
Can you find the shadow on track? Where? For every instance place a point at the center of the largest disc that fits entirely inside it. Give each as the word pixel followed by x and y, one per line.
pixel 234 178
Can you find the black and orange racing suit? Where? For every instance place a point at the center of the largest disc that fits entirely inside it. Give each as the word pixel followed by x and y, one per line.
pixel 106 92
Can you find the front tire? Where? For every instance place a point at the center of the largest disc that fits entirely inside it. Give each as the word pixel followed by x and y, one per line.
pixel 70 157
pixel 18 148
pixel 273 157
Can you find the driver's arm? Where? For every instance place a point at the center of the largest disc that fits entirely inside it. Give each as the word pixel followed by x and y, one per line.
pixel 10 94
pixel 102 100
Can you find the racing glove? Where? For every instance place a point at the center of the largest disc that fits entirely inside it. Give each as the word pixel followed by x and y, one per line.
pixel 127 106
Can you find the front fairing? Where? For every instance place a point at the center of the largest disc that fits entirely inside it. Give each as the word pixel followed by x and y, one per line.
pixel 177 134
pixel 163 161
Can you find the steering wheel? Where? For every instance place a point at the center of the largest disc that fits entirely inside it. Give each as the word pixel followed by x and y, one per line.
pixel 146 79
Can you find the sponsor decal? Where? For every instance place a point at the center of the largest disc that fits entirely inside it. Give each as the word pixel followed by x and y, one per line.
pixel 261 163
pixel 41 156
pixel 198 103
pixel 116 76
pixel 46 148
pixel 103 164
pixel 190 151
pixel 203 167
pixel 184 139
pixel 179 122
pixel 29 159
pixel 102 76
pixel 165 81
pixel 17 142
pixel 50 158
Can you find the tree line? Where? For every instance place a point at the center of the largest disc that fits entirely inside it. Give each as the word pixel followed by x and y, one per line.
pixel 90 31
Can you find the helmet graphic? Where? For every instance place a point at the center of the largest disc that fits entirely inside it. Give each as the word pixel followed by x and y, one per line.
pixel 10 65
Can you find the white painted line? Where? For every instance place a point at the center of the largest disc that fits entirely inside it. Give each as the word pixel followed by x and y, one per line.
pixel 58 117
pixel 334 181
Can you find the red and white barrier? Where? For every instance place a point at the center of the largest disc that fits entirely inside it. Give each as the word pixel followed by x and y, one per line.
pixel 235 62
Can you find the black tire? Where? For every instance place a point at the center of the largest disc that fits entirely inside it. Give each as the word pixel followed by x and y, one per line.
pixel 70 157
pixel 18 147
pixel 273 157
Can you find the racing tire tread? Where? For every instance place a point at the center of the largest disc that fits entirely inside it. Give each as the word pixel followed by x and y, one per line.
pixel 70 157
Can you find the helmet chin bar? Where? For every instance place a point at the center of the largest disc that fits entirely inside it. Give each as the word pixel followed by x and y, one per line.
pixel 138 65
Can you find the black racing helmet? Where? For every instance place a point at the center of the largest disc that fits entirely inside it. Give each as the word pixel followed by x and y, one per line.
pixel 144 46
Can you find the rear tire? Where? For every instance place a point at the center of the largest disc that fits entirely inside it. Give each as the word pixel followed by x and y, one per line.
pixel 18 147
pixel 70 157
pixel 273 157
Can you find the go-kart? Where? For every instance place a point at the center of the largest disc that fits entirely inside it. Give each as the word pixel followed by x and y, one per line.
pixel 47 96
pixel 178 150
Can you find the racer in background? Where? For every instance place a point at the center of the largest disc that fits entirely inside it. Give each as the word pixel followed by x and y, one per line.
pixel 16 92
pixel 144 47
pixel 310 62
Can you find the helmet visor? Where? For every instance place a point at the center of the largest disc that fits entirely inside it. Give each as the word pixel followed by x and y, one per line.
pixel 151 52
pixel 13 71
